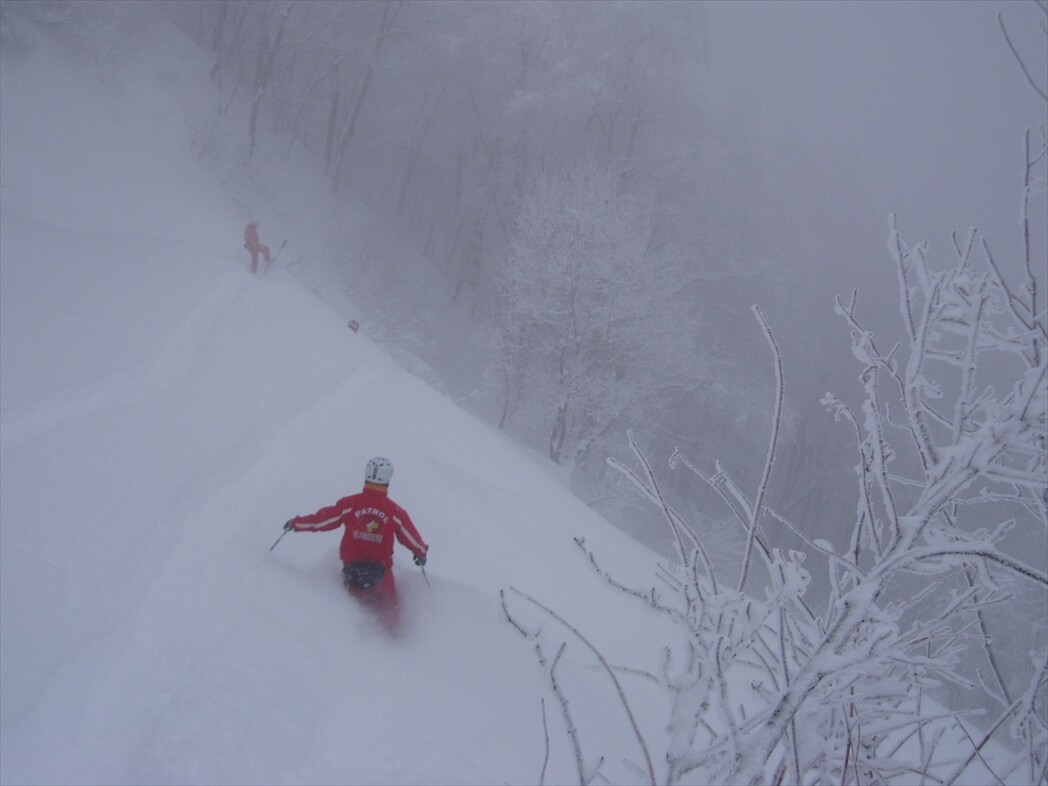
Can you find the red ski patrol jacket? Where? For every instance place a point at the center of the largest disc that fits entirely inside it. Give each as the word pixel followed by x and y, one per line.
pixel 372 520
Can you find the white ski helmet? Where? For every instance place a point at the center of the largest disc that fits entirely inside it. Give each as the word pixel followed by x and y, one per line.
pixel 379 470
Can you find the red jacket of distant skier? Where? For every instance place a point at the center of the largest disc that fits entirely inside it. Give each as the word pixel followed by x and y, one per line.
pixel 372 520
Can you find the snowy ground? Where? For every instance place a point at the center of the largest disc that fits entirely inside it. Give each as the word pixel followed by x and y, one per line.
pixel 163 412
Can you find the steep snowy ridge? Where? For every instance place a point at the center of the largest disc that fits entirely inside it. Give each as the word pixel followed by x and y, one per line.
pixel 163 412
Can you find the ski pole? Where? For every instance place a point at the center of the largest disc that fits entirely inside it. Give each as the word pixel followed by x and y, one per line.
pixel 282 534
pixel 423 569
pixel 274 257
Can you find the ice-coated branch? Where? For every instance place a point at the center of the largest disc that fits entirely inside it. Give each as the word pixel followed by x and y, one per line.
pixel 769 462
pixel 965 254
pixel 545 734
pixel 963 405
pixel 836 559
pixel 649 487
pixel 880 452
pixel 914 380
pixel 865 350
pixel 1030 480
pixel 795 757
pixel 649 598
pixel 976 749
pixel 1020 310
pixel 736 502
pixel 1031 278
pixel 551 671
pixel 611 674
pixel 972 551
pixel 900 255
pixel 1022 63
pixel 1027 703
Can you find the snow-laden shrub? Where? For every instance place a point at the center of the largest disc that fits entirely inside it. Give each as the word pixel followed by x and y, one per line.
pixel 947 545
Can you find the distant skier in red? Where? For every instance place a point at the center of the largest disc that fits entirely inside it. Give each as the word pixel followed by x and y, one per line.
pixel 371 520
pixel 252 244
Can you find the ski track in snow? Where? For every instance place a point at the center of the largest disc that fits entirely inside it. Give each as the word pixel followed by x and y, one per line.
pixel 137 384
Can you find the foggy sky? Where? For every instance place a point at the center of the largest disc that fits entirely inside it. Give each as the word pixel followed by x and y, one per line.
pixel 925 96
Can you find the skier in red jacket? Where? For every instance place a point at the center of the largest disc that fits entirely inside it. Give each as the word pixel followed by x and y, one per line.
pixel 252 244
pixel 372 520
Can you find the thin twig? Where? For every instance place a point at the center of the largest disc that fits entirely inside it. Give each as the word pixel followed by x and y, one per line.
pixel 762 489
pixel 1022 63
pixel 611 674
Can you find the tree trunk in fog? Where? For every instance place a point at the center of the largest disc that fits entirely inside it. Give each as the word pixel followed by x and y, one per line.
pixel 557 435
pixel 390 10
pixel 329 139
pixel 417 143
pixel 216 38
pixel 265 73
pixel 460 166
pixel 230 52
pixel 469 269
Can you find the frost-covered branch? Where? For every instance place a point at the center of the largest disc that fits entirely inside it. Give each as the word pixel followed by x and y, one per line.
pixel 611 674
pixel 649 487
pixel 1040 90
pixel 769 462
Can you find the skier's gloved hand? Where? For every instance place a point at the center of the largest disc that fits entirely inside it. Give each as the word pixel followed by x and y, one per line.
pixel 288 526
pixel 420 561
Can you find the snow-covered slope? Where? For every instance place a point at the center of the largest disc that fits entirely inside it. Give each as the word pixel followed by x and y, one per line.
pixel 163 412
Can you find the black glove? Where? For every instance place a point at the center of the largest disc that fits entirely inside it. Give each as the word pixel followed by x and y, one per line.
pixel 420 561
pixel 287 525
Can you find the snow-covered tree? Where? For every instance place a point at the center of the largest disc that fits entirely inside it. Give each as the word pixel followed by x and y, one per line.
pixel 580 296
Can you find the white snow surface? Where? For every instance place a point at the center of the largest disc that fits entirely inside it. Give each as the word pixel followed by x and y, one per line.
pixel 163 412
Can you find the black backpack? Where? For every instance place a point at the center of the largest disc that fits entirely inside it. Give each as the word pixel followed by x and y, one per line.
pixel 362 575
